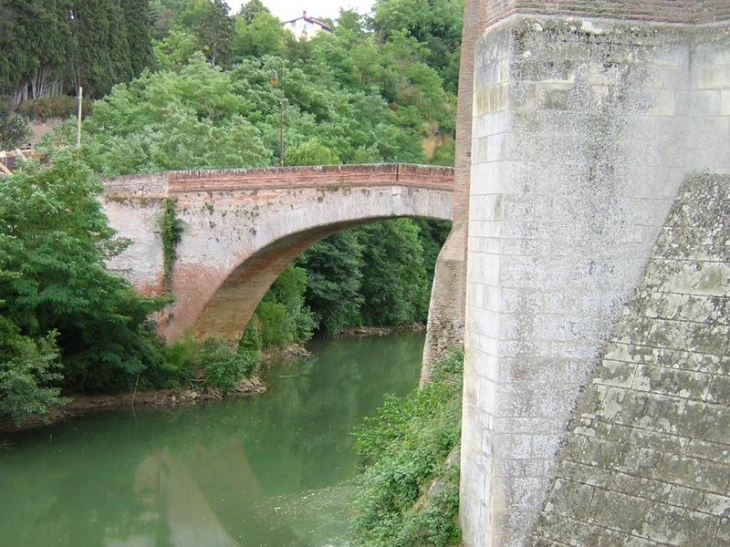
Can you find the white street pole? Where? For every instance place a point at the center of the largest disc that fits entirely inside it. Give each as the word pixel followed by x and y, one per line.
pixel 78 133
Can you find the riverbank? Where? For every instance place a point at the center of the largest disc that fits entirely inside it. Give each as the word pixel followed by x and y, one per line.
pixel 167 398
pixel 163 398
pixel 381 331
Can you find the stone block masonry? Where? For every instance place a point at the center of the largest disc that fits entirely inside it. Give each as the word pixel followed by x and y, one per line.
pixel 669 11
pixel 583 131
pixel 647 462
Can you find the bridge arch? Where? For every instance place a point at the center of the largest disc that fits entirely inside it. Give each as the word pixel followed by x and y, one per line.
pixel 242 228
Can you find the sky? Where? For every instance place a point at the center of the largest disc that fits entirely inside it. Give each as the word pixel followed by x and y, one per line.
pixel 286 10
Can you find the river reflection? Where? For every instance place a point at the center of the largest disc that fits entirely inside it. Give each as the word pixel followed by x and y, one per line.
pixel 269 470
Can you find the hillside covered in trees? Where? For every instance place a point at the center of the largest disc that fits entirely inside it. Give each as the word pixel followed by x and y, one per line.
pixel 184 84
pixel 50 47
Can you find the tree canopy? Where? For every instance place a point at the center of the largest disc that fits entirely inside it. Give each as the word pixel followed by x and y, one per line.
pixel 54 239
pixel 51 47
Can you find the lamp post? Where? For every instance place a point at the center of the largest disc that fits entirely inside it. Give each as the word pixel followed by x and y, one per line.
pixel 281 132
pixel 78 117
pixel 275 80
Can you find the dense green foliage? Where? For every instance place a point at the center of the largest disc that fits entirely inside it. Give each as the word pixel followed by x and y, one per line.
pixel 375 275
pixel 224 365
pixel 29 374
pixel 172 120
pixel 433 26
pixel 36 41
pixel 14 130
pixel 396 286
pixel 54 238
pixel 214 364
pixel 56 296
pixel 282 316
pixel 65 320
pixel 402 449
pixel 334 281
pixel 371 91
pixel 405 54
pixel 51 47
pixel 204 116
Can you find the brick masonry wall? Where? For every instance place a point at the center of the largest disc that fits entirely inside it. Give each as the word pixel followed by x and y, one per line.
pixel 647 462
pixel 448 297
pixel 137 218
pixel 242 227
pixel 324 176
pixel 583 132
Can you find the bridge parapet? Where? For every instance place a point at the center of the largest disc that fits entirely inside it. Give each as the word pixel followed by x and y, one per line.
pixel 227 180
pixel 152 184
pixel 321 176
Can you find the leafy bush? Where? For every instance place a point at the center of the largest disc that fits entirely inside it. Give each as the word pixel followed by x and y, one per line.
pixel 29 371
pixel 14 130
pixel 219 364
pixel 54 240
pixel 225 365
pixel 55 107
pixel 311 152
pixel 435 522
pixel 403 447
pixel 178 363
pixel 251 340
pixel 274 326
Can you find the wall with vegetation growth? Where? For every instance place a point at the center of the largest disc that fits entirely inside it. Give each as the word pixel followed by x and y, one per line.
pixel 241 228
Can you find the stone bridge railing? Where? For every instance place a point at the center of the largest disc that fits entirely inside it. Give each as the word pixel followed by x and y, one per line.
pixel 321 176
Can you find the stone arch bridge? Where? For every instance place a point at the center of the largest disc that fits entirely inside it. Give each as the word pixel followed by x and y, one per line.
pixel 242 227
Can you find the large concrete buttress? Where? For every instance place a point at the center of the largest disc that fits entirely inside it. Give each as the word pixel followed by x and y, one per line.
pixel 446 310
pixel 587 117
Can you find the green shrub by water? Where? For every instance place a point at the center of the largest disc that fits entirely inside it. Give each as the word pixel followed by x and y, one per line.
pixel 402 449
pixel 216 363
pixel 225 365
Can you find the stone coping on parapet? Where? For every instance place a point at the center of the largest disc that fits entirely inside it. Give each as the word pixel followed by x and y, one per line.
pixel 325 176
pixel 648 11
pixel 600 28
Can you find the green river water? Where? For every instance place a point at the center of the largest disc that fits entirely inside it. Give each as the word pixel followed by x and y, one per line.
pixel 269 470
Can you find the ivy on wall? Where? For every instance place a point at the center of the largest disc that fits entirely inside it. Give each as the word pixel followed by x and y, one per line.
pixel 172 230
